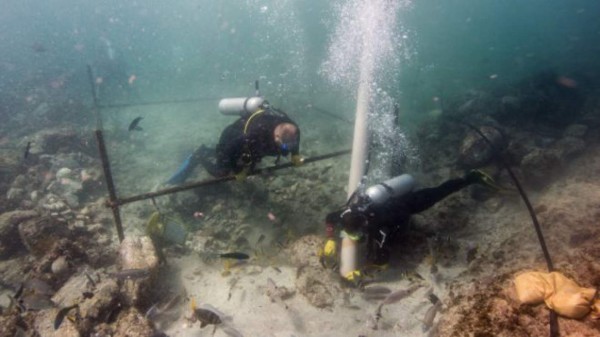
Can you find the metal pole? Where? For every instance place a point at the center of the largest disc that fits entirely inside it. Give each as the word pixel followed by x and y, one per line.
pixel 104 158
pixel 213 181
pixel 112 194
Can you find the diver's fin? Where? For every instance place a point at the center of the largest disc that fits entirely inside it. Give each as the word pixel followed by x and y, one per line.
pixel 183 172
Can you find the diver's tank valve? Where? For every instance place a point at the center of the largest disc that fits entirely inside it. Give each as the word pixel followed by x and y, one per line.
pixel 380 193
pixel 241 105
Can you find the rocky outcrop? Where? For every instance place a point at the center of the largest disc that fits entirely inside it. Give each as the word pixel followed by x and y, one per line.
pixel 138 253
pixel 9 235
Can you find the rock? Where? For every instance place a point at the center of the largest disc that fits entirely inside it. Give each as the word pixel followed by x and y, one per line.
pixel 9 234
pixel 53 203
pixel 475 151
pixel 44 325
pixel 64 172
pixel 68 189
pixel 131 323
pixel 317 287
pixel 537 164
pixel 92 309
pixel 51 141
pixel 303 252
pixel 8 324
pixel 575 130
pixel 15 194
pixel 569 147
pixel 138 253
pixel 40 234
pixel 60 266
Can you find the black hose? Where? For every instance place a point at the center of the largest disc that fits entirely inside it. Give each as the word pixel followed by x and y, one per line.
pixel 554 328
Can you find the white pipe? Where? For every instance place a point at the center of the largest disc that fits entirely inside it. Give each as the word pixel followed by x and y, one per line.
pixel 360 149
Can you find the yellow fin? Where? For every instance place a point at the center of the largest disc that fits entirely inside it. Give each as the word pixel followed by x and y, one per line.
pixel 193 303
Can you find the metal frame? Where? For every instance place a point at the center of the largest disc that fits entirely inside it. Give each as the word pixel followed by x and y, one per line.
pixel 114 202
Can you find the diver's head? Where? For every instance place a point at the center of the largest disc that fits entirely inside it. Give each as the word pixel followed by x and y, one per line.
pixel 353 221
pixel 286 137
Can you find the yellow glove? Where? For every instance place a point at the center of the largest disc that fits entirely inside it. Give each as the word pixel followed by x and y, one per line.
pixel 354 278
pixel 330 248
pixel 242 175
pixel 328 255
pixel 297 160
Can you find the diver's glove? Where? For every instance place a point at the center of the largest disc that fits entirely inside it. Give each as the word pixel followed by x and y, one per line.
pixel 242 175
pixel 482 178
pixel 354 279
pixel 297 160
pixel 328 255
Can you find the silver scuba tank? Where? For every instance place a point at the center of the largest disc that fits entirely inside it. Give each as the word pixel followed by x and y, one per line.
pixel 241 105
pixel 394 187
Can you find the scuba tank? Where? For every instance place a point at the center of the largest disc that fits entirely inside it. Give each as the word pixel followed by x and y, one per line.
pixel 239 106
pixel 380 193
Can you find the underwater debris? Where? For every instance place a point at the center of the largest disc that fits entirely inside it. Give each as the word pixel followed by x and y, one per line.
pixel 131 274
pixel 234 256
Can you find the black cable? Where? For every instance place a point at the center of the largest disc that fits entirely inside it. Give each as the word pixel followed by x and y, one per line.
pixel 554 328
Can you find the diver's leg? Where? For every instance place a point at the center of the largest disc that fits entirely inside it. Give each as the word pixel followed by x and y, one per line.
pixel 188 165
pixel 209 160
pixel 423 199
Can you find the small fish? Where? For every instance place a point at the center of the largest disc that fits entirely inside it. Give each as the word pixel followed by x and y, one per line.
pixel 134 124
pixel 271 217
pixel 400 294
pixel 377 290
pixel 87 294
pixel 261 238
pixel 430 316
pixel 375 293
pixel 14 303
pixel 131 274
pixel 235 256
pixel 90 279
pixel 19 291
pixel 27 148
pixel 60 316
pixel 198 215
pixel 206 317
pixel 152 312
pixel 36 302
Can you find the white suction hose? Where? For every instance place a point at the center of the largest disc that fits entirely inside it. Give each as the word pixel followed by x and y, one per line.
pixel 358 163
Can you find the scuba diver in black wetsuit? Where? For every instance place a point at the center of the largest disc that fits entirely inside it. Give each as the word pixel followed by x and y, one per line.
pixel 260 131
pixel 380 215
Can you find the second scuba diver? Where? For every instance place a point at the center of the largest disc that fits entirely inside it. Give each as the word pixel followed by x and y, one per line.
pixel 380 215
pixel 260 131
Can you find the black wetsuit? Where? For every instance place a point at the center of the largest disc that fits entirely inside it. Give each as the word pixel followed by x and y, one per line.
pixel 385 223
pixel 238 149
